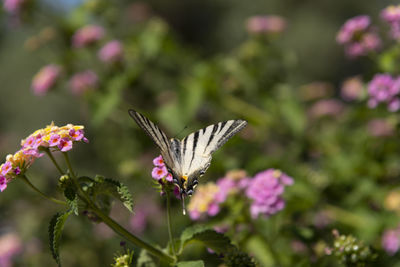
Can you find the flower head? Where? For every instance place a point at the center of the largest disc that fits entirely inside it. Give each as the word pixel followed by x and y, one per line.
pixel 83 81
pixel 265 191
pixel 391 15
pixel 111 52
pixel 159 172
pixel 3 183
pixel 87 35
pixel 266 24
pixel 352 89
pixel 45 79
pixel 391 241
pixel 326 107
pixel 158 161
pixel 13 6
pixel 383 88
pixel 204 201
pixel 358 37
pixel 10 246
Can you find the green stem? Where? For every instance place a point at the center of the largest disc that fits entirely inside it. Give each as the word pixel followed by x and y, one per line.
pixel 171 240
pixel 130 237
pixel 113 224
pixel 48 152
pixel 25 179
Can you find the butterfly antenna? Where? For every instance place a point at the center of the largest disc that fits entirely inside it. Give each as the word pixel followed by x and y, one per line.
pixel 184 128
pixel 183 204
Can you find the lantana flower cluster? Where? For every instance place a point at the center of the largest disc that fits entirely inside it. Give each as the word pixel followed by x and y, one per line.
pixel 358 37
pixel 391 15
pixel 391 240
pixel 52 137
pixel 384 88
pixel 160 171
pixel 264 192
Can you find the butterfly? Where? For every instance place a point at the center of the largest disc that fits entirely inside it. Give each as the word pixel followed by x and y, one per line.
pixel 188 159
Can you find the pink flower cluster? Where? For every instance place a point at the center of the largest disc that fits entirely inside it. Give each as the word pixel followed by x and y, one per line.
pixel 87 35
pixel 83 81
pixel 51 137
pixel 111 52
pixel 352 89
pixel 45 79
pixel 13 6
pixel 391 241
pixel 358 37
pixel 383 88
pixel 266 191
pixel 10 246
pixel 391 15
pixel 266 24
pixel 160 170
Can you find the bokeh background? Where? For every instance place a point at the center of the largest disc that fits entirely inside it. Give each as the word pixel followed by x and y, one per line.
pixel 188 64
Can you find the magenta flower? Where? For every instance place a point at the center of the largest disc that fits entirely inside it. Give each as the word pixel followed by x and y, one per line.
pixel 390 241
pixel 391 15
pixel 158 161
pixel 6 168
pixel 266 24
pixel 65 144
pixel 45 79
pixel 13 6
pixel 384 89
pixel 159 172
pixel 83 81
pixel 87 35
pixel 111 52
pixel 3 183
pixel 54 140
pixel 265 192
pixel 76 135
pixel 358 37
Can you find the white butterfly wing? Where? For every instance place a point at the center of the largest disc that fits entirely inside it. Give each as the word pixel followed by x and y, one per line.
pixel 158 136
pixel 197 148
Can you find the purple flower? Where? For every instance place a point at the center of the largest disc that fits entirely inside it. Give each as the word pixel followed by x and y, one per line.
pixel 159 172
pixel 266 24
pixel 390 241
pixel 358 37
pixel 65 144
pixel 391 15
pixel 45 79
pixel 3 183
pixel 83 81
pixel 233 182
pixel 5 168
pixel 384 89
pixel 111 52
pixel 87 35
pixel 13 6
pixel 265 192
pixel 158 161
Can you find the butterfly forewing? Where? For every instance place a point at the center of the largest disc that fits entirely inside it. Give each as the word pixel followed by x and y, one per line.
pixel 158 136
pixel 197 147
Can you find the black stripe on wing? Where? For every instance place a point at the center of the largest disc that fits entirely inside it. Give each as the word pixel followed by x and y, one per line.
pixel 227 129
pixel 151 130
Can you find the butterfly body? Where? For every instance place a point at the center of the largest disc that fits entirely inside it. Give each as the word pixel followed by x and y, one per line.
pixel 188 159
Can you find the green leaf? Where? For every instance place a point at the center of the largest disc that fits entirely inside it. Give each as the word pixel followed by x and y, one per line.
pixel 210 238
pixel 55 230
pixel 72 200
pixel 145 260
pixel 190 264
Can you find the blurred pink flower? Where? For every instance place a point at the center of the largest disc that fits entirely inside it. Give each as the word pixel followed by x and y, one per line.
pixel 391 241
pixel 383 88
pixel 45 79
pixel 352 89
pixel 380 128
pixel 358 36
pixel 83 81
pixel 146 212
pixel 13 6
pixel 326 107
pixel 266 24
pixel 87 35
pixel 391 15
pixel 10 246
pixel 265 192
pixel 111 52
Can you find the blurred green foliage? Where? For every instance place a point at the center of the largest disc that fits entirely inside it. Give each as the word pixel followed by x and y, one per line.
pixel 188 64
